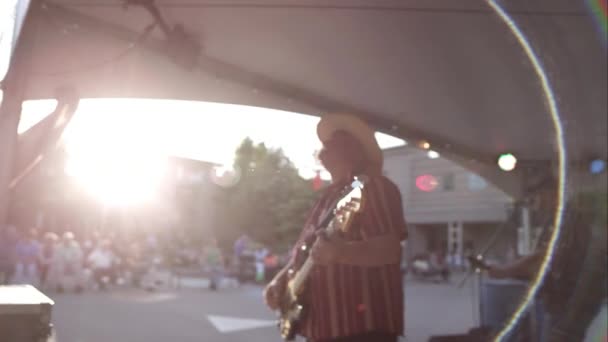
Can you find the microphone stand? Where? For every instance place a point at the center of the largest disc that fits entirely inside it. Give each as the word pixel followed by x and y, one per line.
pixel 492 241
pixel 480 256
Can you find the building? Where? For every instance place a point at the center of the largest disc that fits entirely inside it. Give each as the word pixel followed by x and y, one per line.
pixel 50 199
pixel 446 206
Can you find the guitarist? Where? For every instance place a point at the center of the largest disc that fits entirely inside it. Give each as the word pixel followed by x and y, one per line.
pixel 355 290
pixel 575 284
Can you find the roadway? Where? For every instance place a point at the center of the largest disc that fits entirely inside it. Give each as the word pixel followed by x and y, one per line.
pixel 228 315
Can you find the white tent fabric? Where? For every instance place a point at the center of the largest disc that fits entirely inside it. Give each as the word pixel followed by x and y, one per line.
pixel 449 73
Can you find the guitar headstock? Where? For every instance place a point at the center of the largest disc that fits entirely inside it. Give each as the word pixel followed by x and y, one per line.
pixel 350 204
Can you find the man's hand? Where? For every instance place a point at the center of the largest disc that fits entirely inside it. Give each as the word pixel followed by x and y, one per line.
pixel 496 272
pixel 326 251
pixel 524 268
pixel 272 295
pixel 274 291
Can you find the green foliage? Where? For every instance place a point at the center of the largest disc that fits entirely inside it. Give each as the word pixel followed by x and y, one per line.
pixel 271 200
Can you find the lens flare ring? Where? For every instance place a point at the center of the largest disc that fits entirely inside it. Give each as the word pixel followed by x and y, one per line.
pixel 559 137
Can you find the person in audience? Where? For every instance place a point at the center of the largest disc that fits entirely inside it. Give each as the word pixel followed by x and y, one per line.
pixel 8 253
pixel 213 264
pixel 136 263
pixel 47 254
pixel 271 266
pixel 101 260
pixel 437 261
pixel 28 254
pixel 260 255
pixel 67 264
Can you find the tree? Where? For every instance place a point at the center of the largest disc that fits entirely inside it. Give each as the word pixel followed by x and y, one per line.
pixel 269 203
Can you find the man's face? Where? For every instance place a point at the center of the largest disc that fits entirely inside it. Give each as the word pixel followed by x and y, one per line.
pixel 341 151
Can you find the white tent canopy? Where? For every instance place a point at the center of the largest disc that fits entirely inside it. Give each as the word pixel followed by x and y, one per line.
pixel 447 72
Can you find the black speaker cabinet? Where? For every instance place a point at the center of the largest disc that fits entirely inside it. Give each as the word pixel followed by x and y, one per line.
pixel 25 314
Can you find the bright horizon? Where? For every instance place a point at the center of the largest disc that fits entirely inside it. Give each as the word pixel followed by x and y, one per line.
pixel 116 147
pixel 203 131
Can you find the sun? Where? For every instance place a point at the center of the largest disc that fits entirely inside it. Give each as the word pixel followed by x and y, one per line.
pixel 115 161
pixel 118 178
pixel 117 148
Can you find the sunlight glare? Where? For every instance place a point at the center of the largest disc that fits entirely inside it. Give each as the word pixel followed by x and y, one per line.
pixel 117 177
pixel 117 148
pixel 34 111
pixel 116 160
pixel 562 166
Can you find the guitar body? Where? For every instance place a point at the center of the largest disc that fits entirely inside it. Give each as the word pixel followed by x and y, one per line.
pixel 292 306
pixel 290 319
pixel 292 311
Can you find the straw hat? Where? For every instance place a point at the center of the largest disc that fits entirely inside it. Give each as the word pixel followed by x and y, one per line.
pixel 356 127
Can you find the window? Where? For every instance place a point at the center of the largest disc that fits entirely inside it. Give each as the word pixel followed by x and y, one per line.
pixel 476 183
pixel 447 182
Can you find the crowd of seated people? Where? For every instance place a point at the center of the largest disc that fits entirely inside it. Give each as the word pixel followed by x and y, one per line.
pixel 75 262
pixel 64 261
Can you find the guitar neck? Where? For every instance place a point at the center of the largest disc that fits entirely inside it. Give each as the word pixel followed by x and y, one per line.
pixel 299 279
pixel 296 284
pixel 329 224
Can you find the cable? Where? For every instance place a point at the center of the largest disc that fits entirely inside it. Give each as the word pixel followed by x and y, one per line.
pixel 94 66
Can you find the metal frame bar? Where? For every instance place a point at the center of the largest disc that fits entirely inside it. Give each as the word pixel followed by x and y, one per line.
pixel 289 92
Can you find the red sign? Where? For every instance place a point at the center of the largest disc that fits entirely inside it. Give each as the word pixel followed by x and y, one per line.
pixel 427 183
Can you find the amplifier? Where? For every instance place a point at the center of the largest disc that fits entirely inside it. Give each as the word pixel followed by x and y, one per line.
pixel 480 334
pixel 25 314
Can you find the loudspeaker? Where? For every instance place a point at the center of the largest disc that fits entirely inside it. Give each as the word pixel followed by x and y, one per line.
pixel 25 314
pixel 481 334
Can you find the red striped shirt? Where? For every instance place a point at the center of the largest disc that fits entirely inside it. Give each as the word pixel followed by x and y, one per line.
pixel 345 300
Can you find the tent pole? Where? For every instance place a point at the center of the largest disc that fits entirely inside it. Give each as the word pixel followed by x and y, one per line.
pixel 13 92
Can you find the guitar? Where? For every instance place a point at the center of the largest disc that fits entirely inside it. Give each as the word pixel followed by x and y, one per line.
pixel 291 306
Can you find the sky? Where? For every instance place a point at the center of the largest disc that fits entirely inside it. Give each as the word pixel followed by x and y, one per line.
pixel 197 130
